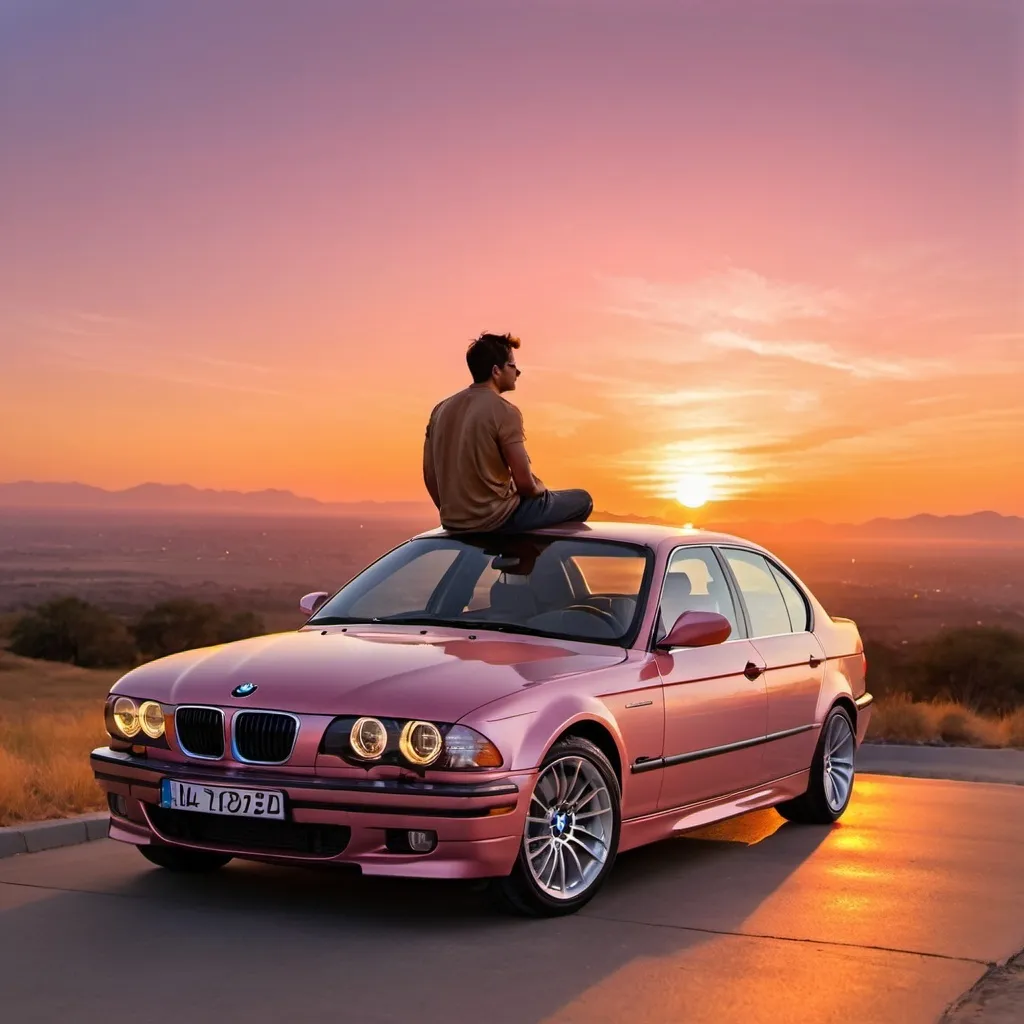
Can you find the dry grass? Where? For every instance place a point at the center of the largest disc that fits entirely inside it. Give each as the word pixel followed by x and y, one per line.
pixel 50 718
pixel 898 719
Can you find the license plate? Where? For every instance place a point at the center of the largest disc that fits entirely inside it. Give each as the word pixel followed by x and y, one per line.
pixel 241 803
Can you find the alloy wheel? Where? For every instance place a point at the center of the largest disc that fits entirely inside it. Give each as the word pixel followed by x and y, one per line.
pixel 569 828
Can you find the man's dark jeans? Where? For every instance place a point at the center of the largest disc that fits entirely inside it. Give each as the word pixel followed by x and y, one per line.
pixel 548 509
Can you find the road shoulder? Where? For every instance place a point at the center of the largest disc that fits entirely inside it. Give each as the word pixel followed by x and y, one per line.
pixel 997 998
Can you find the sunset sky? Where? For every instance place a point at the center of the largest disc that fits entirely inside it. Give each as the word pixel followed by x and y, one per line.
pixel 774 250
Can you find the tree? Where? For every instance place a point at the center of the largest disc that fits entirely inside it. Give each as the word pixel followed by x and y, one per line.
pixel 982 668
pixel 73 630
pixel 183 624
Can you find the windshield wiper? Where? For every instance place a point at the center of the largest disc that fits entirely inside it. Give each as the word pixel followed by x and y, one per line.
pixel 438 620
pixel 336 620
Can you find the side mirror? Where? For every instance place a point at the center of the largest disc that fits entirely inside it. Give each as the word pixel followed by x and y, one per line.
pixel 309 604
pixel 696 629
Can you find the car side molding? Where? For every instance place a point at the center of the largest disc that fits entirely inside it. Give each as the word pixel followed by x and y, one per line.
pixel 726 748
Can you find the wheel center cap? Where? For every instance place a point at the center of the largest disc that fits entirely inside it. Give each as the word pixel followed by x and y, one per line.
pixel 559 821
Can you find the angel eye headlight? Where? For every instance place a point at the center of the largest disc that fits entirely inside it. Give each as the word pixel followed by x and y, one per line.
pixel 368 738
pixel 126 717
pixel 151 719
pixel 421 743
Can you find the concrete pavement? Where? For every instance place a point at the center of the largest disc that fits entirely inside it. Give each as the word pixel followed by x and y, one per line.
pixel 890 916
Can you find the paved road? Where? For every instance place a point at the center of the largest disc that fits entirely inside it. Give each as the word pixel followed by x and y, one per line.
pixel 889 916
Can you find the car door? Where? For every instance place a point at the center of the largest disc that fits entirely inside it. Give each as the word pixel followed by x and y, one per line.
pixel 716 705
pixel 779 618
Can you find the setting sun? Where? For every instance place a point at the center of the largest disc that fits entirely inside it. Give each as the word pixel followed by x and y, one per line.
pixel 693 491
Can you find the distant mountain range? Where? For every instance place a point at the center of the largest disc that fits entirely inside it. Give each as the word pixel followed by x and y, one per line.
pixel 186 498
pixel 27 494
pixel 976 526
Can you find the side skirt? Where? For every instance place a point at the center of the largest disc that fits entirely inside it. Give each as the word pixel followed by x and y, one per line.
pixel 649 829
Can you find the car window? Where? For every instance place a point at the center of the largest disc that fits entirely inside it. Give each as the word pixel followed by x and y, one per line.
pixel 695 581
pixel 796 604
pixel 576 588
pixel 408 588
pixel 765 605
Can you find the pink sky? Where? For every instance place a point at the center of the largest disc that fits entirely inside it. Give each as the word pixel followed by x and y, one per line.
pixel 778 249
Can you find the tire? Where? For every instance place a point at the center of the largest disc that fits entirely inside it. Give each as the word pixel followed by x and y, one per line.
pixel 832 774
pixel 192 862
pixel 577 808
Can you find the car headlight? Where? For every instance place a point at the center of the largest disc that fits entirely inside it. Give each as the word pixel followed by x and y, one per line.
pixel 368 738
pixel 151 719
pixel 140 721
pixel 409 743
pixel 420 743
pixel 126 717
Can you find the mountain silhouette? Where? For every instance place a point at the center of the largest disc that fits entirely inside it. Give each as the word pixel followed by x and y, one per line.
pixel 28 494
pixel 186 498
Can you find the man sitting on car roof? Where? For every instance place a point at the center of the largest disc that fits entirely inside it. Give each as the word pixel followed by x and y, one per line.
pixel 475 464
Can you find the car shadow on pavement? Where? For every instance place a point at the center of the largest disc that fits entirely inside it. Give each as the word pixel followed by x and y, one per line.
pixel 749 856
pixel 265 942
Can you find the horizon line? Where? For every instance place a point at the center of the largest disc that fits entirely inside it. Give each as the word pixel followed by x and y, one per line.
pixel 425 504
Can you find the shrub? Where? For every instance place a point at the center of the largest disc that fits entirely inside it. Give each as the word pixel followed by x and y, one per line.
pixel 183 624
pixel 955 724
pixel 1015 728
pixel 898 719
pixel 73 630
pixel 889 668
pixel 981 668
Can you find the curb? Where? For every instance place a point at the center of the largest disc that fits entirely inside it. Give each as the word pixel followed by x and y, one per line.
pixel 32 837
pixel 1003 765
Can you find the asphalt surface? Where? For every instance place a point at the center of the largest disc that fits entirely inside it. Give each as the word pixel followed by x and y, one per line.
pixel 889 916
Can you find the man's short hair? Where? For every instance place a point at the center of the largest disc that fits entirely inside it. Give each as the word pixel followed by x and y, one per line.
pixel 488 351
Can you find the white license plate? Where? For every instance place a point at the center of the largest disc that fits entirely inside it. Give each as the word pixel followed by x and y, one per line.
pixel 243 803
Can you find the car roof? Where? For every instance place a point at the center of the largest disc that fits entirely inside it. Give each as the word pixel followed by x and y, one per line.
pixel 653 535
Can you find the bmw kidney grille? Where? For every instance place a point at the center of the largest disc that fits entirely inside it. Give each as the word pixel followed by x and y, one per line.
pixel 264 737
pixel 200 731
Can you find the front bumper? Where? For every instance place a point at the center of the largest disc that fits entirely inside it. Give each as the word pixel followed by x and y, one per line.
pixel 479 824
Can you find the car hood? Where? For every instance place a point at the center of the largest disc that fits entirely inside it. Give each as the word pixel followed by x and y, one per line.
pixel 440 675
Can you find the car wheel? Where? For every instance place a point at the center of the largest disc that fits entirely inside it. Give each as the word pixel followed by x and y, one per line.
pixel 831 781
pixel 571 834
pixel 175 858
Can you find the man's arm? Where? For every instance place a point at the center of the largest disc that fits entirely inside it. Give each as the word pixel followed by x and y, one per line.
pixel 429 474
pixel 518 461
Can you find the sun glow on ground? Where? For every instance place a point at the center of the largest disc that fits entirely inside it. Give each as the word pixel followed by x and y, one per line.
pixel 693 490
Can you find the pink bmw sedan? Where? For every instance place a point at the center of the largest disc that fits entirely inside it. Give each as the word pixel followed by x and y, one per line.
pixel 518 708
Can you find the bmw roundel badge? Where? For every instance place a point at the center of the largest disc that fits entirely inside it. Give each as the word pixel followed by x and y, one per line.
pixel 243 690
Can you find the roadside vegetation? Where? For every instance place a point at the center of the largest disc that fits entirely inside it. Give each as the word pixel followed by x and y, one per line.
pixel 81 633
pixel 63 657
pixel 963 686
pixel 50 718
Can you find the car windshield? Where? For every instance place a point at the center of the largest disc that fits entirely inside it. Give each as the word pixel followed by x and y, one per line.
pixel 570 588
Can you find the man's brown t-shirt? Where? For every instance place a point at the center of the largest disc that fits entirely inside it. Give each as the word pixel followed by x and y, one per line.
pixel 466 434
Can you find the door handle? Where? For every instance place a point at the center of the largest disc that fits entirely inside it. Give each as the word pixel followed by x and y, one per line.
pixel 752 671
pixel 814 662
